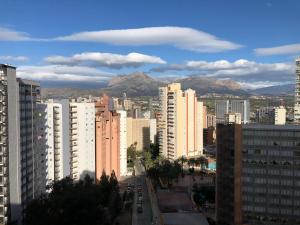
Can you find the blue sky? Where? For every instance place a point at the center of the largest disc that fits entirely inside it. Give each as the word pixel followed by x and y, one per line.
pixel 253 42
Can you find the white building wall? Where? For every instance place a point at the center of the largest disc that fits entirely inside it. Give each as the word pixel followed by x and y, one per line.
pixel 57 140
pixel 280 116
pixel 83 152
pixel 153 131
pixel 123 142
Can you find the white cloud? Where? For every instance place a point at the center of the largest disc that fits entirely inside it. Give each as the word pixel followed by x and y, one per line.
pixel 180 37
pixel 239 69
pixel 63 73
pixel 106 59
pixel 279 50
pixel 259 84
pixel 13 58
pixel 7 34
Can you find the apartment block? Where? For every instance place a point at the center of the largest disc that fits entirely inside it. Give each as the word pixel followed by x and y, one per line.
pixel 138 131
pixel 123 142
pixel 107 139
pixel 10 167
pixel 271 115
pixel 271 174
pixel 228 176
pixel 258 174
pixel 297 92
pixel 180 122
pixel 233 118
pixel 29 97
pixel 211 120
pixel 82 139
pixel 56 115
pixel 223 107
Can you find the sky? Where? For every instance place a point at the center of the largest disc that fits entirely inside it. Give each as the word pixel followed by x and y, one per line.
pixel 67 42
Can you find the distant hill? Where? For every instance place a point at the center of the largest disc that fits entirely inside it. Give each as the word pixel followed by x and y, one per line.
pixel 204 85
pixel 286 89
pixel 135 84
pixel 141 84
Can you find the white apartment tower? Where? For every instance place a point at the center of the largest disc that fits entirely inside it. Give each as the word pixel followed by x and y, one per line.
pixel 56 117
pixel 180 122
pixel 82 143
pixel 297 93
pixel 123 142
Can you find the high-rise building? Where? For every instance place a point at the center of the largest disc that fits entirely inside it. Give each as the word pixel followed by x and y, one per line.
pixel 82 143
pixel 56 117
pixel 204 117
pixel 233 118
pixel 211 120
pixel 138 131
pixel 153 131
pixel 10 164
pixel 123 142
pixel 223 107
pixel 297 92
pixel 180 122
pixel 271 115
pixel 162 127
pixel 271 174
pixel 29 96
pixel 260 164
pixel 228 176
pixel 107 139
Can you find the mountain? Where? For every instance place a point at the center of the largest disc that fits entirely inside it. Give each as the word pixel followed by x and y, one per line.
pixel 141 84
pixel 286 89
pixel 135 84
pixel 204 85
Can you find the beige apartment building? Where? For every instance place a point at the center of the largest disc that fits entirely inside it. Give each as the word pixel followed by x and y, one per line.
pixel 138 131
pixel 180 122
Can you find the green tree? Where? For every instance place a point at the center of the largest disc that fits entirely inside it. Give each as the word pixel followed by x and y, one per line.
pixel 77 203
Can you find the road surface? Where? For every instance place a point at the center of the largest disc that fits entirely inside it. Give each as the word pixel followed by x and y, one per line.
pixel 144 218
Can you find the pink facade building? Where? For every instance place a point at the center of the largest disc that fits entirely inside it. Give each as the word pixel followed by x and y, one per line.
pixel 107 139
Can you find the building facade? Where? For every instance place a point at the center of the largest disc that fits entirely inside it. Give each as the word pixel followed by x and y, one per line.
pixel 138 131
pixel 211 120
pixel 82 143
pixel 271 174
pixel 233 118
pixel 123 142
pixel 223 107
pixel 271 115
pixel 56 116
pixel 180 122
pixel 228 175
pixel 10 168
pixel 29 97
pixel 107 139
pixel 297 93
pixel 258 174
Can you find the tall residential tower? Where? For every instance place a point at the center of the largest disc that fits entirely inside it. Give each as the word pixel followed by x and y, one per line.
pixel 180 122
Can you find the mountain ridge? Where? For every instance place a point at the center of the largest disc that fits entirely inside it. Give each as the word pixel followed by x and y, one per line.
pixel 141 84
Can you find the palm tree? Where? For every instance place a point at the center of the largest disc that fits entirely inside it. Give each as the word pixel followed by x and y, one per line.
pixel 203 162
pixel 182 160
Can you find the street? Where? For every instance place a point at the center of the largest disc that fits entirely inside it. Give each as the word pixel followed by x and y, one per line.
pixel 143 218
